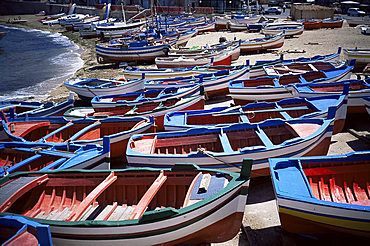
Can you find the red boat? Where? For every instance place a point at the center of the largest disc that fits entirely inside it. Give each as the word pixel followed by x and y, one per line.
pixel 330 23
pixel 312 24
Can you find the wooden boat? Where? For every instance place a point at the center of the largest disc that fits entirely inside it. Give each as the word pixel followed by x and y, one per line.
pixel 300 67
pixel 116 29
pixel 140 51
pixel 17 230
pixel 332 23
pixel 146 109
pixel 86 88
pixel 286 109
pixel 16 109
pixel 82 131
pixel 20 156
pixel 257 70
pixel 270 42
pixel 153 95
pixel 323 194
pixel 362 57
pixel 207 50
pixel 131 206
pixel 238 27
pixel 277 88
pixel 221 23
pixel 215 58
pixel 357 90
pixel 312 24
pixel 289 30
pixel 224 147
pixel 206 27
pixel 214 84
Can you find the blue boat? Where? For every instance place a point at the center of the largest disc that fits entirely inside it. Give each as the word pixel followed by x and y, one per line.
pixel 287 109
pixel 225 147
pixel 17 109
pixel 153 95
pixel 29 156
pixel 79 131
pixel 358 89
pixel 323 194
pixel 17 230
pixel 279 87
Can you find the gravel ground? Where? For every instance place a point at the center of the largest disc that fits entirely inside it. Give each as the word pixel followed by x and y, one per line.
pixel 261 224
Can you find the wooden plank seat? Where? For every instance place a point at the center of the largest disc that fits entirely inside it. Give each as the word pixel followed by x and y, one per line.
pixel 324 191
pixel 148 196
pixel 81 208
pixel 360 195
pixel 336 192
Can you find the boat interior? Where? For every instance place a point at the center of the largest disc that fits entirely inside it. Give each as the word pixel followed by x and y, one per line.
pixel 63 132
pixel 251 115
pixel 142 108
pixel 339 87
pixel 300 67
pixel 342 182
pixel 114 196
pixel 224 140
pixel 31 159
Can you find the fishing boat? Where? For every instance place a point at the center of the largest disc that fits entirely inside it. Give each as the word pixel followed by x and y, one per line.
pixel 87 88
pixel 17 230
pixel 206 27
pixel 214 84
pixel 16 109
pixel 300 67
pixel 323 194
pixel 332 23
pixel 20 156
pixel 205 51
pixel 257 70
pixel 286 109
pixel 117 29
pixel 81 131
pixel 222 23
pixel 138 51
pixel 312 24
pixel 362 57
pixel 289 30
pixel 281 87
pixel 185 204
pixel 224 147
pixel 145 109
pixel 216 58
pixel 152 95
pixel 266 43
pixel 358 89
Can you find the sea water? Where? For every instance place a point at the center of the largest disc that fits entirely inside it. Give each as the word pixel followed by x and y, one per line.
pixel 34 62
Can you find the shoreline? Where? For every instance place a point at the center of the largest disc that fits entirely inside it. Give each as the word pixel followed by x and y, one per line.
pixel 309 44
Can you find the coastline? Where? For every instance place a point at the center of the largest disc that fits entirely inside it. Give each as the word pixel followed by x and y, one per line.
pixel 310 43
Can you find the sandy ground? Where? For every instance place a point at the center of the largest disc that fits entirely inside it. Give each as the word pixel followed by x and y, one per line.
pixel 261 224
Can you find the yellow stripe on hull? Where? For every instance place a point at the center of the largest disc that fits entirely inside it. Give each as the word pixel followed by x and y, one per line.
pixel 297 221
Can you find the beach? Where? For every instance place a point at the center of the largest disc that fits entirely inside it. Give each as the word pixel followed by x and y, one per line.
pixel 261 225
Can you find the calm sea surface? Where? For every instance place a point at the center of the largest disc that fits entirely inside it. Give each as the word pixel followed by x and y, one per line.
pixel 33 63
